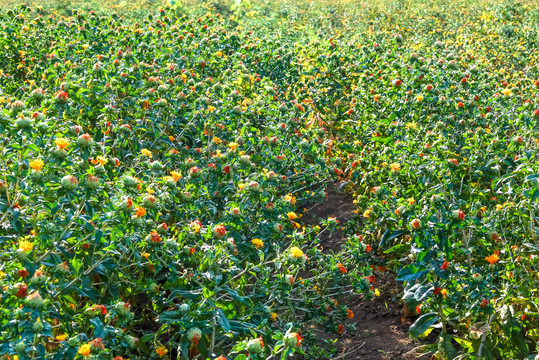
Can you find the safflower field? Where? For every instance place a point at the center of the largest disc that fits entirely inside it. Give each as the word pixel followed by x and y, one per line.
pixel 161 167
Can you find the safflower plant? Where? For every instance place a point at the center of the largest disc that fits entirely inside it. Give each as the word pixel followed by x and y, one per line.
pixel 154 175
pixel 152 178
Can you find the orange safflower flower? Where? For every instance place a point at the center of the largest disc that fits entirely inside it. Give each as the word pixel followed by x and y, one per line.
pixel 141 212
pixel 176 175
pixel 494 258
pixel 62 143
pixel 161 351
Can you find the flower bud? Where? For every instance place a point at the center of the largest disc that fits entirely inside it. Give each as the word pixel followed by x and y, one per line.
pixel 34 300
pixel 131 341
pixel 292 340
pixel 37 326
pixel 122 308
pixel 255 346
pixel 194 335
pixel 69 182
pixel 150 202
pixel 38 278
pixel 92 182
pixel 20 347
pixel 85 141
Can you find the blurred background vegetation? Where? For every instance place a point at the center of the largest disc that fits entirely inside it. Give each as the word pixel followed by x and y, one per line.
pixel 299 20
pixel 295 18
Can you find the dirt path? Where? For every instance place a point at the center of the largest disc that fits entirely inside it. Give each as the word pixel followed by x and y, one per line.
pixel 380 334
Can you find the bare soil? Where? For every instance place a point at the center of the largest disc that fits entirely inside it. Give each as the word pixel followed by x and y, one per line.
pixel 381 333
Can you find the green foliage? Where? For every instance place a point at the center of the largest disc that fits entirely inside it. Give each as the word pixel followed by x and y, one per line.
pixel 154 171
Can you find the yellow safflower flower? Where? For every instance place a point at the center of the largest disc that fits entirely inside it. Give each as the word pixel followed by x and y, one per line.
pixel 26 245
pixel 395 167
pixel 258 243
pixel 61 337
pixel 292 215
pixel 146 152
pixel 62 143
pixel 37 165
pixel 85 349
pixel 176 175
pixel 290 198
pixel 101 160
pixel 296 252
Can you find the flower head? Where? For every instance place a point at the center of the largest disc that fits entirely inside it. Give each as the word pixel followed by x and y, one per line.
pixel 176 175
pixel 37 165
pixel 146 152
pixel 85 349
pixel 296 252
pixel 26 245
pixel 494 258
pixel 194 334
pixel 291 199
pixel 62 143
pixel 62 337
pixel 445 265
pixel 258 243
pixel 219 231
pixel 141 212
pixel 161 351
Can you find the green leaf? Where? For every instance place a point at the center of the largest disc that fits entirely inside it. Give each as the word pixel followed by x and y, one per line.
pixel 423 323
pixel 223 320
pixel 423 292
pixel 188 294
pixel 170 316
pixel 390 235
pixel 398 249
pixel 411 273
pixel 449 349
